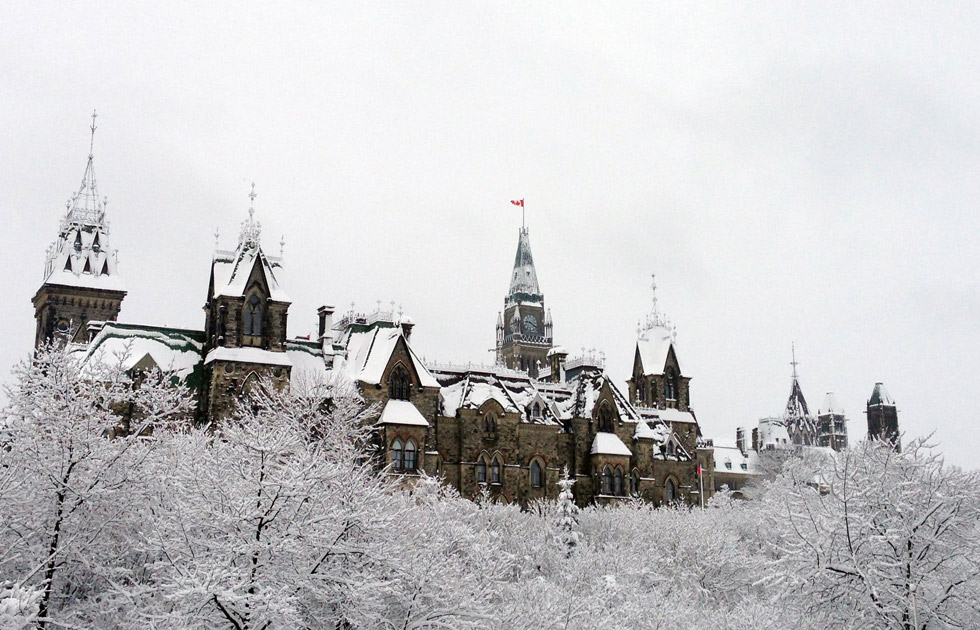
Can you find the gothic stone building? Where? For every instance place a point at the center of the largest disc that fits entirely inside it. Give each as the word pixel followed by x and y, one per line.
pixel 512 427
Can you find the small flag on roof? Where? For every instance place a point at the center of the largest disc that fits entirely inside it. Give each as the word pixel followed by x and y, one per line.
pixel 518 203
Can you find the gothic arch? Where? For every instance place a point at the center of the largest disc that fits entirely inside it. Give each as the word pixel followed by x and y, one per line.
pixel 400 382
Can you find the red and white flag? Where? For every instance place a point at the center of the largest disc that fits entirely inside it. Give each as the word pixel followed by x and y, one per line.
pixel 518 203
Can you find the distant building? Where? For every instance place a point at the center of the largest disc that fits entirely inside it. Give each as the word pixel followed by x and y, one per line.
pixel 883 417
pixel 831 424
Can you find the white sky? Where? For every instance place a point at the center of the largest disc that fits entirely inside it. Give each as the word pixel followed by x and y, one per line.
pixel 800 172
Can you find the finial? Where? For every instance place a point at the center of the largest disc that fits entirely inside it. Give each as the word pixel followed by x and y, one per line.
pixel 282 245
pixel 217 234
pixel 653 285
pixel 794 362
pixel 91 144
pixel 401 310
pixel 379 305
pixel 251 200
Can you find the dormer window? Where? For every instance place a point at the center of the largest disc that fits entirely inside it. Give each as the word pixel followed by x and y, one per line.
pixel 605 418
pixel 252 316
pixel 399 384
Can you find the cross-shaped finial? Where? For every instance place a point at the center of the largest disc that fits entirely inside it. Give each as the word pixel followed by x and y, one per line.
pixel 91 144
pixel 794 363
pixel 282 245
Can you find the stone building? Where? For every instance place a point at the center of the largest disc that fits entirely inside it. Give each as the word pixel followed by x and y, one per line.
pixel 512 427
pixel 883 417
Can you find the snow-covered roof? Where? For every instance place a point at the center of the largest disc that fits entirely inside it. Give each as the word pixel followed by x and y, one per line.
pixel 232 270
pixel 609 444
pixel 524 279
pixel 587 385
pixel 401 412
pixel 470 389
pixel 772 433
pixel 248 355
pixel 830 406
pixel 366 355
pixel 654 347
pixel 309 367
pixel 880 396
pixel 666 415
pixel 171 349
pixel 729 459
pixel 657 431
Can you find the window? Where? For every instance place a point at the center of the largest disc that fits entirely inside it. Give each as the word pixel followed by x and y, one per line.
pixel 641 390
pixel 634 482
pixel 252 316
pixel 536 410
pixel 495 471
pixel 653 392
pixel 670 448
pixel 605 417
pixel 409 457
pixel 745 466
pixel 618 482
pixel 606 481
pixel 481 471
pixel 671 385
pixel 490 423
pixel 396 455
pixel 670 491
pixel 535 474
pixel 399 383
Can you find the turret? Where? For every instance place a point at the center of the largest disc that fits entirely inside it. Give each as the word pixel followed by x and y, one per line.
pixel 81 282
pixel 524 327
pixel 883 417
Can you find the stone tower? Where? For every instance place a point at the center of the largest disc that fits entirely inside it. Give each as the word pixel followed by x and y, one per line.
pixel 81 283
pixel 657 380
pixel 831 424
pixel 245 322
pixel 524 327
pixel 883 417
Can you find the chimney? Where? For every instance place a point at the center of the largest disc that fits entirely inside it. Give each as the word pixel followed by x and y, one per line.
pixel 94 328
pixel 325 333
pixel 407 324
pixel 557 356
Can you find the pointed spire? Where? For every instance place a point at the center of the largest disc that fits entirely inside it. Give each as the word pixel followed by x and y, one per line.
pixel 796 407
pixel 524 279
pixel 85 207
pixel 251 229
pixel 656 319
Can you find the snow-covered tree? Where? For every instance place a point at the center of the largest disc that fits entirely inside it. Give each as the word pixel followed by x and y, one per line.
pixel 568 531
pixel 66 505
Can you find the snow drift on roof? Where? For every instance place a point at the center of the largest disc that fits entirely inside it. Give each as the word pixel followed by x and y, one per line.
pixel 654 348
pixel 830 406
pixel 402 412
pixel 248 355
pixel 880 396
pixel 171 349
pixel 609 444
pixel 367 355
pixel 232 269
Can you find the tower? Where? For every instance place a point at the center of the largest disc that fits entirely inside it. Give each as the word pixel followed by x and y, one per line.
pixel 245 321
pixel 799 422
pixel 831 424
pixel 658 380
pixel 883 417
pixel 524 328
pixel 81 283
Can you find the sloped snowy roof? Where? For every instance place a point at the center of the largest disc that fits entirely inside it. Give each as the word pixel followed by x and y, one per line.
pixel 81 257
pixel 729 459
pixel 659 432
pixel 402 412
pixel 880 396
pixel 587 385
pixel 367 353
pixel 609 444
pixel 515 394
pixel 830 406
pixel 171 349
pixel 309 366
pixel 667 415
pixel 248 355
pixel 654 348
pixel 524 279
pixel 232 270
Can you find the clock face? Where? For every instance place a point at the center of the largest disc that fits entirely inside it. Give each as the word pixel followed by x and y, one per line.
pixel 530 323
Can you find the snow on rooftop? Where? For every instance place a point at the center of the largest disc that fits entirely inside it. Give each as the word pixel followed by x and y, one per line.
pixel 830 406
pixel 232 270
pixel 609 444
pixel 309 367
pixel 654 347
pixel 880 396
pixel 248 355
pixel 402 412
pixel 659 432
pixel 729 459
pixel 367 354
pixel 172 350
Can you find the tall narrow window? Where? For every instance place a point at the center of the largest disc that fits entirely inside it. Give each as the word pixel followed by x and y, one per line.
pixel 634 482
pixel 606 481
pixel 495 471
pixel 605 417
pixel 490 423
pixel 670 491
pixel 481 471
pixel 252 317
pixel 535 474
pixel 399 384
pixel 409 457
pixel 618 482
pixel 396 455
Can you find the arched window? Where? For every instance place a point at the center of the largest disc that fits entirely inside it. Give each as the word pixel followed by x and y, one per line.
pixel 495 471
pixel 481 471
pixel 634 483
pixel 618 482
pixel 605 417
pixel 252 316
pixel 396 455
pixel 606 481
pixel 399 384
pixel 670 447
pixel 535 410
pixel 670 491
pixel 409 457
pixel 535 474
pixel 653 391
pixel 490 423
pixel 671 385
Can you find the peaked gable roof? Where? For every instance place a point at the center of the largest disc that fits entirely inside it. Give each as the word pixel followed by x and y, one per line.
pixel 367 353
pixel 654 349
pixel 524 279
pixel 230 272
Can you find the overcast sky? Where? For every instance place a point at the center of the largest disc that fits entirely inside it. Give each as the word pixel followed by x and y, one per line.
pixel 792 172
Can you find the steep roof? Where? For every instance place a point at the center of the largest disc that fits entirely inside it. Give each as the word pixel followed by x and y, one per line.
pixel 515 393
pixel 402 412
pixel 880 396
pixel 796 407
pixel 609 444
pixel 654 348
pixel 366 355
pixel 830 406
pixel 231 271
pixel 524 279
pixel 170 349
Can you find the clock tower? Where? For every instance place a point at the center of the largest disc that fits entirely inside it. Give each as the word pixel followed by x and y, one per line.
pixel 524 327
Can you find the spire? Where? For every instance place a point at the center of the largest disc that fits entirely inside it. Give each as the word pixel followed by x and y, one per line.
pixel 251 229
pixel 880 396
pixel 524 279
pixel 656 319
pixel 796 407
pixel 85 208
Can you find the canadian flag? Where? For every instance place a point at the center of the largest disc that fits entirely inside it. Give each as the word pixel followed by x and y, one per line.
pixel 518 203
